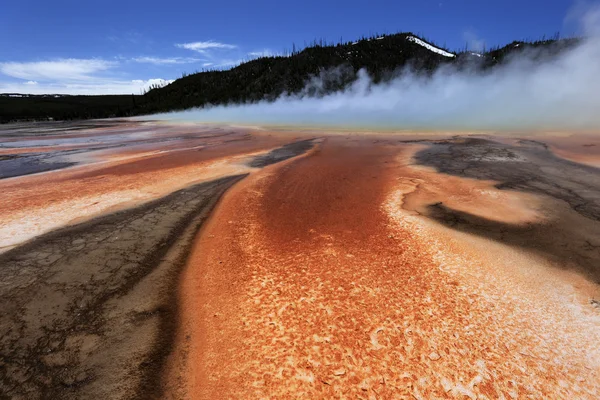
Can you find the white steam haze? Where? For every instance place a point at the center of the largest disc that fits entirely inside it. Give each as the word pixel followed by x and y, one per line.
pixel 560 94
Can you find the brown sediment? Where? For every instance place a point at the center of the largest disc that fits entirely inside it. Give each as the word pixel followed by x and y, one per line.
pixel 89 311
pixel 330 276
pixel 373 266
pixel 90 308
pixel 15 151
pixel 35 204
pixel 25 152
pixel 580 148
pixel 565 195
pixel 225 147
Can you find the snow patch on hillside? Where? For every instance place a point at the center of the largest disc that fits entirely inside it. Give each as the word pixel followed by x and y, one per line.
pixel 430 47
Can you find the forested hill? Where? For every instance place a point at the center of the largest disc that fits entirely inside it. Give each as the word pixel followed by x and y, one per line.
pixel 269 77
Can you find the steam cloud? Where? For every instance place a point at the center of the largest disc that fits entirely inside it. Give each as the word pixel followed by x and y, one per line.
pixel 560 94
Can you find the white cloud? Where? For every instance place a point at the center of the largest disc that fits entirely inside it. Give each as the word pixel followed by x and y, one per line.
pixel 201 47
pixel 70 69
pixel 93 86
pixel 151 83
pixel 586 17
pixel 221 55
pixel 167 61
pixel 262 53
pixel 78 76
pixel 474 42
pixel 224 64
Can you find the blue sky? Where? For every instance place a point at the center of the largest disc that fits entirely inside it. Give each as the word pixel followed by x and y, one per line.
pixel 122 46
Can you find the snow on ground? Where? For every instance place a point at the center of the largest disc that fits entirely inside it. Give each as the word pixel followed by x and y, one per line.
pixel 430 47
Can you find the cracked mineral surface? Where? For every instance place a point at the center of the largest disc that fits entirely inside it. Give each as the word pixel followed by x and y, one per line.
pixel 181 261
pixel 454 268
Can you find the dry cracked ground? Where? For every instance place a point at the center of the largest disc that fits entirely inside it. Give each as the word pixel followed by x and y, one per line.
pixel 151 260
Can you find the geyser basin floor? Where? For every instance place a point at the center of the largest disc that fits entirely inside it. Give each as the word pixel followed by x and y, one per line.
pixel 88 311
pixel 344 265
pixel 89 308
pixel 130 173
pixel 328 276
